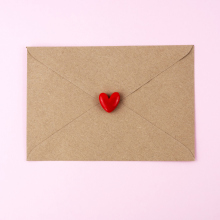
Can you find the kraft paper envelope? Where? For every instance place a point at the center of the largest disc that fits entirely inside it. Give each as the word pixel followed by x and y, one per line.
pixel 153 121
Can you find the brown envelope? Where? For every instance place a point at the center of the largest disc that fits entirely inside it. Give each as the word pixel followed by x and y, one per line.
pixel 153 121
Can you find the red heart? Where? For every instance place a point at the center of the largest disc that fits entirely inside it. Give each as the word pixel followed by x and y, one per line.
pixel 109 104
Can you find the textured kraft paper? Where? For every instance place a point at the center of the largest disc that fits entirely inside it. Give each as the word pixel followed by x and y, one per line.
pixel 154 120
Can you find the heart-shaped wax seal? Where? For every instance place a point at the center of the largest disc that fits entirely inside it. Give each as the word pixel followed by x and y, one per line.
pixel 109 104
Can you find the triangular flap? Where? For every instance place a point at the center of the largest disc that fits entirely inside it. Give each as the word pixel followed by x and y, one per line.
pixel 109 69
pixel 52 102
pixel 120 136
pixel 168 101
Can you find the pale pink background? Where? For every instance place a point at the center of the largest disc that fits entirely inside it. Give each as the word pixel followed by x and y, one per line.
pixel 109 190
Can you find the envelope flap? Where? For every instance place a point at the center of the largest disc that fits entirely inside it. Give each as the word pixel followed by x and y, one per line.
pixel 108 69
pixel 97 136
pixel 52 102
pixel 168 101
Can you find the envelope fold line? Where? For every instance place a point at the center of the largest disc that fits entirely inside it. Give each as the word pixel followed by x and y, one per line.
pixel 160 129
pixel 159 73
pixel 60 129
pixel 58 74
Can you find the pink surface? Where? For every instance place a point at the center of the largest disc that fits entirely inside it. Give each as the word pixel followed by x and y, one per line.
pixel 109 190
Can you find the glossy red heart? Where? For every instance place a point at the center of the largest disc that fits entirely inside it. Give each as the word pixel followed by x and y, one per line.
pixel 109 104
